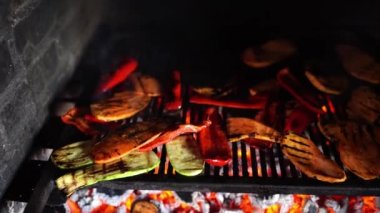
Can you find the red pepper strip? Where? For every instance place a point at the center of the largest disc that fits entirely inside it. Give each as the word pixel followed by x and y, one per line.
pixel 75 117
pixel 298 120
pixel 118 76
pixel 299 91
pixel 86 123
pixel 255 102
pixel 213 141
pixel 176 102
pixel 171 134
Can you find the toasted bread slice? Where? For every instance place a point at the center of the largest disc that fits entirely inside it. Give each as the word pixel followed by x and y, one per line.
pixel 306 156
pixel 120 106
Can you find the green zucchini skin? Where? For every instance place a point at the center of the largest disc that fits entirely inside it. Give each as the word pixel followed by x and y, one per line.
pixel 132 164
pixel 73 156
pixel 185 156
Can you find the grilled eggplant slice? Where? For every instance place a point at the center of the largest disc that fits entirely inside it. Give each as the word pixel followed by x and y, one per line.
pixel 121 142
pixel 357 147
pixel 133 164
pixel 328 83
pixel 359 63
pixel 242 126
pixel 73 156
pixel 185 156
pixel 257 134
pixel 306 156
pixel 146 84
pixel 364 105
pixel 269 53
pixel 120 106
pixel 172 133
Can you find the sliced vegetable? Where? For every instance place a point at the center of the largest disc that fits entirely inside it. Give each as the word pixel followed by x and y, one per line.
pixel 121 142
pixel 133 164
pixel 118 76
pixel 120 106
pixel 170 134
pixel 75 117
pixel 252 132
pixel 73 156
pixel 306 156
pixel 214 146
pixel 256 102
pixel 298 120
pixel 185 156
pixel 175 102
pixel 303 95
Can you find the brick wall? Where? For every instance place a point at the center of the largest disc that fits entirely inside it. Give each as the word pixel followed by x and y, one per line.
pixel 40 44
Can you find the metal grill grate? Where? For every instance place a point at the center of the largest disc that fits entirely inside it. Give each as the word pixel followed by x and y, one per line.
pixel 253 170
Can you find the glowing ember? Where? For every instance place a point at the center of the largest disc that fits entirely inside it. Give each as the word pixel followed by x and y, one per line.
pixel 91 200
pixel 369 205
pixel 273 209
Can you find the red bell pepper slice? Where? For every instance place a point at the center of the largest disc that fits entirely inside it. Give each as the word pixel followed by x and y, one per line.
pixel 298 120
pixel 258 102
pixel 118 76
pixel 303 95
pixel 86 123
pixel 213 141
pixel 171 134
pixel 175 102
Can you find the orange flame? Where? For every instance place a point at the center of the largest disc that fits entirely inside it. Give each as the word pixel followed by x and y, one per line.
pixel 128 203
pixel 275 208
pixel 73 206
pixel 369 205
pixel 299 203
pixel 167 197
pixel 246 204
pixel 104 208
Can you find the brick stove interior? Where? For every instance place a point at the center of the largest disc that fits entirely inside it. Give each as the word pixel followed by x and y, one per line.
pixel 41 44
